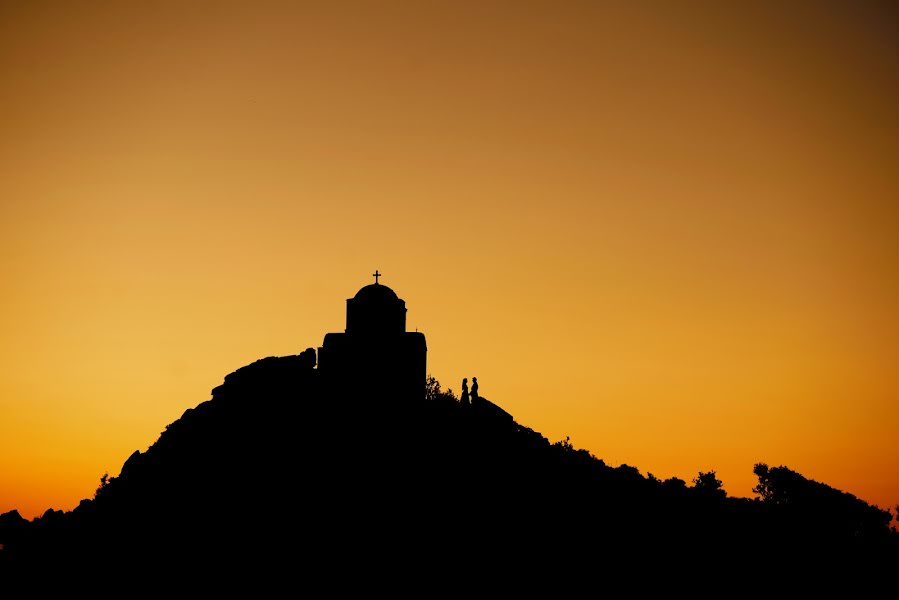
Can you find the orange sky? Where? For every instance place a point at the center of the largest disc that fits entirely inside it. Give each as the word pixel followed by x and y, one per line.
pixel 667 230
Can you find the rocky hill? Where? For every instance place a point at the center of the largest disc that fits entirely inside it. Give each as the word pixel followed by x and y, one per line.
pixel 280 478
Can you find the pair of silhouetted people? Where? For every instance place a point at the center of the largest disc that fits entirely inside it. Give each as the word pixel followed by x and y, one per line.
pixel 466 398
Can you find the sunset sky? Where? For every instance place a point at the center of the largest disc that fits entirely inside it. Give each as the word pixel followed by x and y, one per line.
pixel 666 230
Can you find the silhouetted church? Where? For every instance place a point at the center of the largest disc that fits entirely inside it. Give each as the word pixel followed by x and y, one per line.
pixel 375 354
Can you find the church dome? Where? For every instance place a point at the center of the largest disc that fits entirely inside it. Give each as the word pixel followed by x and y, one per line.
pixel 375 292
pixel 375 310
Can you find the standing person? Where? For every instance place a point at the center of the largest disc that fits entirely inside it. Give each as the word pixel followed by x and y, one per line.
pixel 474 388
pixel 464 398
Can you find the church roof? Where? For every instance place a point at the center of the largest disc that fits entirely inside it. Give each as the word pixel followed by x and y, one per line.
pixel 376 292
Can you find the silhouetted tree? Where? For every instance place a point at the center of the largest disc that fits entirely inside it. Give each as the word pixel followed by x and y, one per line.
pixel 105 480
pixel 709 484
pixel 565 444
pixel 823 515
pixel 434 391
pixel 674 484
pixel 766 488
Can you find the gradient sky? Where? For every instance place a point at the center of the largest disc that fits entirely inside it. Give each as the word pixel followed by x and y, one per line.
pixel 667 230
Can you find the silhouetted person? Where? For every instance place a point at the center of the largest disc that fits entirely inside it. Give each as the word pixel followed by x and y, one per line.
pixel 474 389
pixel 464 399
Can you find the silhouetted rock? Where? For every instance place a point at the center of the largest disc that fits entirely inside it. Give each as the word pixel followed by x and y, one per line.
pixel 489 409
